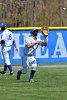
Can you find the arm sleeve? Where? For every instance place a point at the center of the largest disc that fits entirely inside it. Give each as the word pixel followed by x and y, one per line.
pixel 3 37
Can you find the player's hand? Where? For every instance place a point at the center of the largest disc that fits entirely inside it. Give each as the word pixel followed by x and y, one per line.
pixel 16 49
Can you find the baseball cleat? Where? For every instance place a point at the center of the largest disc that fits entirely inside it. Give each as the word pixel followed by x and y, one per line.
pixel 31 80
pixel 2 72
pixel 18 75
pixel 11 73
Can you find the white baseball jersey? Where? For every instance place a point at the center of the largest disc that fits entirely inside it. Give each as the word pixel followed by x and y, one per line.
pixel 7 36
pixel 31 50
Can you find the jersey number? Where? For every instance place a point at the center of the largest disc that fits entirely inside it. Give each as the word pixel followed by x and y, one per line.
pixel 10 37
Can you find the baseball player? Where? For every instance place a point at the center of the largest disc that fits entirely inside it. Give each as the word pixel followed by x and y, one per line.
pixel 31 44
pixel 7 40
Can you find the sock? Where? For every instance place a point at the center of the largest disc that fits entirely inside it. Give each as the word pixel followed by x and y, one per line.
pixel 32 74
pixel 10 68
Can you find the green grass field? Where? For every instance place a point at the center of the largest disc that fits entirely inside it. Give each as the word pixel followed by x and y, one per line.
pixel 50 84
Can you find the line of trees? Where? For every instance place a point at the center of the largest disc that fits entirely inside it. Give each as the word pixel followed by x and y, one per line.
pixel 33 12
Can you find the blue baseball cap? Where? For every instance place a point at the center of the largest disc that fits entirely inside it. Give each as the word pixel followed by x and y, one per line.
pixel 3 24
pixel 34 32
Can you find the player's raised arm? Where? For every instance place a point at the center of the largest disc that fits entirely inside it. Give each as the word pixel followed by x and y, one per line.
pixel 44 43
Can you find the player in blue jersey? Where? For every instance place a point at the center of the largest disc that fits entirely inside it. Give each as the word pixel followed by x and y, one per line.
pixel 7 39
pixel 31 44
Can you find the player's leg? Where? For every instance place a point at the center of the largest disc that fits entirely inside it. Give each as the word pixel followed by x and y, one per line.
pixel 7 62
pixel 5 66
pixel 25 64
pixel 5 53
pixel 5 69
pixel 33 70
pixel 24 67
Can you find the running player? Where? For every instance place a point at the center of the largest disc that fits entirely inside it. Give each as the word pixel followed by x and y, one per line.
pixel 31 44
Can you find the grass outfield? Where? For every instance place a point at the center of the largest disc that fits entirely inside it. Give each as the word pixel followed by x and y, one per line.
pixel 50 84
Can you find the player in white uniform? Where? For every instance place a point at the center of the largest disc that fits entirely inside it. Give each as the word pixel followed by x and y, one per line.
pixel 31 44
pixel 7 39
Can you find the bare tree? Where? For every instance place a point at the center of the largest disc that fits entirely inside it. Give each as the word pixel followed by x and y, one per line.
pixel 34 12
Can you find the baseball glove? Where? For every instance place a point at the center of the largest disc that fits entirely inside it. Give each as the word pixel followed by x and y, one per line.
pixel 45 31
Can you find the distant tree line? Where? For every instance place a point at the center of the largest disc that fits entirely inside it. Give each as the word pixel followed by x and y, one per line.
pixel 20 13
